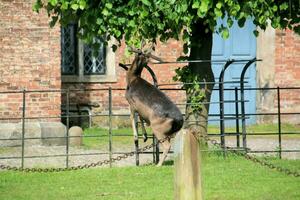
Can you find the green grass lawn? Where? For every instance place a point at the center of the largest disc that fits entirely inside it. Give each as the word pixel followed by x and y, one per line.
pixel 260 128
pixel 120 137
pixel 232 178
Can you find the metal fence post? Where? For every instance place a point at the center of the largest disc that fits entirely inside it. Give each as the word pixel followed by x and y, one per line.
pixel 243 111
pixel 221 103
pixel 237 128
pixel 153 150
pixel 68 126
pixel 136 142
pixel 23 126
pixel 279 121
pixel 156 150
pixel 110 125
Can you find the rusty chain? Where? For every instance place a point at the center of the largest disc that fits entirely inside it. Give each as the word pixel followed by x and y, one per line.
pixel 129 154
pixel 85 166
pixel 251 158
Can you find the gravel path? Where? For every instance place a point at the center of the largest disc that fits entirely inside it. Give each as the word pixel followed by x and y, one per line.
pixel 255 144
pixel 271 144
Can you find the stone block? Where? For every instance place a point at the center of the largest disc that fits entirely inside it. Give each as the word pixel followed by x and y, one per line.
pixel 32 130
pixel 53 133
pixel 75 134
pixel 13 131
pixel 7 131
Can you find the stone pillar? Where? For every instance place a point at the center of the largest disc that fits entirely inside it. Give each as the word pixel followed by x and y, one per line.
pixel 265 72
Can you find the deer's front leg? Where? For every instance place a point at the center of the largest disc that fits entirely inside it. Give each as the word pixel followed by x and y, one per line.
pixel 133 124
pixel 144 129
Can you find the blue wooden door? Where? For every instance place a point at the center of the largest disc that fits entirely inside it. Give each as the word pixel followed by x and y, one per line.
pixel 240 45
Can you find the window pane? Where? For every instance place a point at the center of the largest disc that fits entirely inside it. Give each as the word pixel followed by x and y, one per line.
pixel 68 50
pixel 94 64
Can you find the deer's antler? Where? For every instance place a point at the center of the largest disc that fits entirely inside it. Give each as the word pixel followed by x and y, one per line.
pixel 147 53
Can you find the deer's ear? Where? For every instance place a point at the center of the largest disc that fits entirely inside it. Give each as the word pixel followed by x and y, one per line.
pixel 123 66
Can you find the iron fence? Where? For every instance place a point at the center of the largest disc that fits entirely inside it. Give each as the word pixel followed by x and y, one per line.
pixel 239 116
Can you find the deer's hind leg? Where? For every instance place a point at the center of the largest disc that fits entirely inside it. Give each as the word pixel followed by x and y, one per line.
pixel 166 148
pixel 161 130
pixel 133 124
pixel 144 129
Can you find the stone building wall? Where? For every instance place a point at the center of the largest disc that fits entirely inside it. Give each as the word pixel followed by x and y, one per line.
pixel 29 59
pixel 287 73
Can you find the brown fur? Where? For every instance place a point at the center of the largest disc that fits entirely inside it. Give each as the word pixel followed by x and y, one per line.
pixel 152 105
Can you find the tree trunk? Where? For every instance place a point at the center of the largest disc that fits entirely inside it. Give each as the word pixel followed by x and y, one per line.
pixel 201 47
pixel 188 182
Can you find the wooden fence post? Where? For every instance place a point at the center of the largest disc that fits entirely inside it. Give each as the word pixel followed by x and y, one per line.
pixel 187 158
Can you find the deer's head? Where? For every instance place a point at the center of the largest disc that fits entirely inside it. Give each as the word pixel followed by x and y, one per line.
pixel 138 64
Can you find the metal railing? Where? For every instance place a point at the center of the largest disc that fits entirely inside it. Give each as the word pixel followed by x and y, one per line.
pixel 239 116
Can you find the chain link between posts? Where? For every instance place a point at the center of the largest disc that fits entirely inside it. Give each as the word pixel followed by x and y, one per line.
pixel 249 157
pixel 148 147
pixel 85 166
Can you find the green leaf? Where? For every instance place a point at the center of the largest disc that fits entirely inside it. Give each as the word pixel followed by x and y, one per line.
pixel 75 6
pixel 146 2
pixel 105 12
pixel 82 4
pixel 131 13
pixel 199 13
pixel 241 22
pixel 118 33
pixel 114 47
pixel 53 21
pixel 64 5
pixel 37 6
pixel 160 26
pixel 225 33
pixel 219 5
pixel 297 29
pixel 108 5
pixel 53 2
pixel 99 21
pixel 196 4
pixel 218 12
pixel 256 33
pixel 121 20
pixel 144 13
pixel 274 8
pixel 203 7
pixel 185 48
pixel 229 22
pixel 284 6
pixel 184 7
pixel 131 23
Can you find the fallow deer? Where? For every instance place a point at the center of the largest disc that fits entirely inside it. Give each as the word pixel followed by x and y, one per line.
pixel 152 105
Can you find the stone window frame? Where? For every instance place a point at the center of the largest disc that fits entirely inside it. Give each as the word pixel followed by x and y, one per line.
pixel 81 77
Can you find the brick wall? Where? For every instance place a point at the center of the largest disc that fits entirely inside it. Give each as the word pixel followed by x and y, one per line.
pixel 30 59
pixel 287 72
pixel 287 58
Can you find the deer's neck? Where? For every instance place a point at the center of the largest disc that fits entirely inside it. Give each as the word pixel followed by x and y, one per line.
pixel 133 73
pixel 131 77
